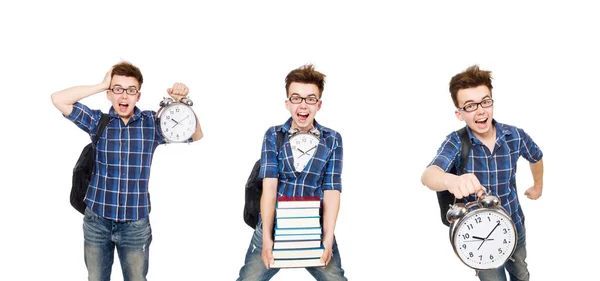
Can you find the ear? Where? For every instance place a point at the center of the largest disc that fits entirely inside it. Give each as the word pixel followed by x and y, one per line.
pixel 287 104
pixel 108 94
pixel 319 105
pixel 458 115
pixel 139 95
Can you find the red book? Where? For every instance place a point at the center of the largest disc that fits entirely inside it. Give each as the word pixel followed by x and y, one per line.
pixel 298 202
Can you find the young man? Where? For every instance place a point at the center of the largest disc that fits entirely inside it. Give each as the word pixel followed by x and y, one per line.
pixel 118 200
pixel 492 163
pixel 320 177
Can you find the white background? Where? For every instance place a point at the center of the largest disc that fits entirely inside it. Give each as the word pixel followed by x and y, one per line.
pixel 388 68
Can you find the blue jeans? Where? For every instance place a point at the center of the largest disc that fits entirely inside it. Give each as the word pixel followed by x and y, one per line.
pixel 132 240
pixel 254 269
pixel 516 267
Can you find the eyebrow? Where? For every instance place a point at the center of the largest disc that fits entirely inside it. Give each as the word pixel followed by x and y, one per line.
pixel 296 94
pixel 124 87
pixel 472 101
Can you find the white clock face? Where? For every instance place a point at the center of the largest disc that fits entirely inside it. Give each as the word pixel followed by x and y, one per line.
pixel 484 239
pixel 304 147
pixel 177 122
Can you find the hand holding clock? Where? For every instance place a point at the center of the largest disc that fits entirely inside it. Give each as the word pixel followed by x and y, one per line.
pixel 464 185
pixel 178 91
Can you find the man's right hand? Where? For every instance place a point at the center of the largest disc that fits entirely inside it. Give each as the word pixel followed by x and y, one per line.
pixel 465 185
pixel 106 82
pixel 267 252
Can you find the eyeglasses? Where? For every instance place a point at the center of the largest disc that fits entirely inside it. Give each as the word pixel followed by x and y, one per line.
pixel 119 90
pixel 470 107
pixel 298 99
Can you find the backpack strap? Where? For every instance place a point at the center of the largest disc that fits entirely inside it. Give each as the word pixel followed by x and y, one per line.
pixel 280 136
pixel 465 149
pixel 104 119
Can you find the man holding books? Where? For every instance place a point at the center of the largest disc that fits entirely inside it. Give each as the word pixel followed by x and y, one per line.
pixel 307 166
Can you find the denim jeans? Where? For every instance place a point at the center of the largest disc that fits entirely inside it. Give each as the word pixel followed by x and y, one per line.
pixel 516 267
pixel 132 240
pixel 254 269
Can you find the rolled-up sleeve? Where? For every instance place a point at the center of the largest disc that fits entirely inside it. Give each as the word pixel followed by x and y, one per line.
pixel 332 177
pixel 447 153
pixel 269 167
pixel 84 117
pixel 528 148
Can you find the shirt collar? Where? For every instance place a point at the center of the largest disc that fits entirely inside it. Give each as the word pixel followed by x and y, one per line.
pixel 285 128
pixel 501 131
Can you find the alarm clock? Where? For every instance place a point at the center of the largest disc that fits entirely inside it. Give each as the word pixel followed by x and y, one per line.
pixel 177 120
pixel 482 233
pixel 304 146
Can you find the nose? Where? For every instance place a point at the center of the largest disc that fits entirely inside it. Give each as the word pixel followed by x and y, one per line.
pixel 479 109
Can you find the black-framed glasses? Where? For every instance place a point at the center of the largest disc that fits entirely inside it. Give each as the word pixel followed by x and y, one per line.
pixel 470 107
pixel 119 90
pixel 298 99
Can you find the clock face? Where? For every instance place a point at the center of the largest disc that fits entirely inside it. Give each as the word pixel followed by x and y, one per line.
pixel 177 122
pixel 484 239
pixel 304 147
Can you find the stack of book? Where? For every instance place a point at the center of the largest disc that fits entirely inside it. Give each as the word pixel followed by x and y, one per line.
pixel 297 232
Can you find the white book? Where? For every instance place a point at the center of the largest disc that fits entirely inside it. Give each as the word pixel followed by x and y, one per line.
pixel 297 231
pixel 298 222
pixel 297 237
pixel 297 244
pixel 297 212
pixel 297 253
pixel 297 263
pixel 298 202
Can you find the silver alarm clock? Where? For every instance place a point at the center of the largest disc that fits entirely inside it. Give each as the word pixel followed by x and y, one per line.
pixel 177 121
pixel 482 233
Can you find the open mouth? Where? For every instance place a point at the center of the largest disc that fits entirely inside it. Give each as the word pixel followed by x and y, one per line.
pixel 302 116
pixel 123 106
pixel 481 121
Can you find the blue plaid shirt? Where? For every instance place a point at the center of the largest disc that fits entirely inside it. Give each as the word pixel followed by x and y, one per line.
pixel 118 188
pixel 322 172
pixel 496 171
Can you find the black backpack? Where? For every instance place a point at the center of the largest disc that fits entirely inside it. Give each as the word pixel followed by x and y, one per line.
pixel 445 198
pixel 254 189
pixel 82 172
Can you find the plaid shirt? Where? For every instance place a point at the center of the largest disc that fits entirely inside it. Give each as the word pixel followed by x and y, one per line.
pixel 496 171
pixel 118 188
pixel 322 172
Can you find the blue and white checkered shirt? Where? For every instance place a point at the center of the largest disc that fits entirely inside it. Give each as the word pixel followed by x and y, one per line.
pixel 118 188
pixel 496 170
pixel 322 172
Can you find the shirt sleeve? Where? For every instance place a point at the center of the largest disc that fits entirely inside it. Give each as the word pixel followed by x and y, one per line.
pixel 528 148
pixel 332 176
pixel 447 153
pixel 269 167
pixel 85 118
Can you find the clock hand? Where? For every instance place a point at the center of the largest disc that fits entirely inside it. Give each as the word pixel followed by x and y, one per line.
pixel 179 121
pixel 486 238
pixel 308 150
pixel 479 239
pixel 176 123
pixel 300 151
